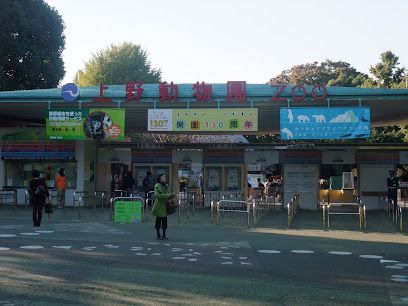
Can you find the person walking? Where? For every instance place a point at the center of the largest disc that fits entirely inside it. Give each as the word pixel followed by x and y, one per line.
pixel 38 195
pixel 61 185
pixel 162 195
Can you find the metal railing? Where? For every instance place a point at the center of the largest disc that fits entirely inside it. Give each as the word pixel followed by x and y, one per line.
pixel 293 207
pixel 130 199
pixel 362 213
pixel 228 206
pixel 102 197
pixel 396 212
pixel 27 197
pixel 186 203
pixel 8 196
pixel 210 196
pixel 79 197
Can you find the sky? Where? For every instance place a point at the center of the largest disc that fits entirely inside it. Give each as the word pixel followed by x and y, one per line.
pixel 225 40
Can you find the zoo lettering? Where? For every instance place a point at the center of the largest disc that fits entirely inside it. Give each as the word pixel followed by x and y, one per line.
pixel 236 91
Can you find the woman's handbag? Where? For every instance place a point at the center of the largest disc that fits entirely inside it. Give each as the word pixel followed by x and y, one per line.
pixel 171 205
pixel 48 207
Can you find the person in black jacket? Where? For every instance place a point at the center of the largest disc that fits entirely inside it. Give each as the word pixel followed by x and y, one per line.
pixel 392 184
pixel 128 182
pixel 38 195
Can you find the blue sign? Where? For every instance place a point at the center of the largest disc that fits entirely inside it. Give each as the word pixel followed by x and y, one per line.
pixel 70 92
pixel 324 123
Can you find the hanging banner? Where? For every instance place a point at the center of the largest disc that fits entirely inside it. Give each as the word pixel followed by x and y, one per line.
pixel 324 123
pixel 203 120
pixel 92 124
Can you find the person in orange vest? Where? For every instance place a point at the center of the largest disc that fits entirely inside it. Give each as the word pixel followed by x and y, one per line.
pixel 61 184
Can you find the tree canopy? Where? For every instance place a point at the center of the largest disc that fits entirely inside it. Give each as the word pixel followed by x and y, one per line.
pixel 331 73
pixel 117 64
pixel 387 73
pixel 31 43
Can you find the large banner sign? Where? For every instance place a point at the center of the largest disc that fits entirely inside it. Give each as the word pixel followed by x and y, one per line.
pixel 92 124
pixel 203 120
pixel 324 123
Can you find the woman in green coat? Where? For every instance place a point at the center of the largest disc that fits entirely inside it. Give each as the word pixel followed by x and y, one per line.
pixel 162 194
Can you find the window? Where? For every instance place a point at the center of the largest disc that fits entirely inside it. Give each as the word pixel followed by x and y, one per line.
pixel 18 174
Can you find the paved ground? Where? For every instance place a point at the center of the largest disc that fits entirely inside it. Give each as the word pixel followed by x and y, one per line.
pixel 96 262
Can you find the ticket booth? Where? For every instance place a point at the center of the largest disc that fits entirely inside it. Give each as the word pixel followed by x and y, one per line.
pixel 338 181
pixel 154 161
pixel 224 173
pixel 189 165
pixel 262 167
pixel 113 164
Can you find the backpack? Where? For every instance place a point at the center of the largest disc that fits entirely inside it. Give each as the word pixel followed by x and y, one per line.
pixel 41 192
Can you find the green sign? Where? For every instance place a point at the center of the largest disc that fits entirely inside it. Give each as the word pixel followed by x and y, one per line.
pixel 203 120
pixel 92 124
pixel 128 212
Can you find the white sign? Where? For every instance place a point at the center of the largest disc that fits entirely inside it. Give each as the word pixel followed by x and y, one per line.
pixel 302 180
pixel 159 120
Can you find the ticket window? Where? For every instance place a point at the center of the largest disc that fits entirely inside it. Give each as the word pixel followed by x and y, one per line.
pixel 233 179
pixel 140 172
pixel 18 174
pixel 213 179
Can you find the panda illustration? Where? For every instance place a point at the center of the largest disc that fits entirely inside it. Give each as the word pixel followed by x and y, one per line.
pixel 107 121
pixel 97 125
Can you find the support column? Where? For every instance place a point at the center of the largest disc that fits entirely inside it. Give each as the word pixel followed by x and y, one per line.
pixel 2 173
pixel 245 181
pixel 80 157
pixel 174 178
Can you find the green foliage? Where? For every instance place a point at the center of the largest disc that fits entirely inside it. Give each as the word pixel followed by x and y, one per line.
pixel 332 73
pixel 117 64
pixel 31 43
pixel 387 72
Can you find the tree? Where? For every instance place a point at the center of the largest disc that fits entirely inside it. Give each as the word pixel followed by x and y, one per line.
pixel 387 72
pixel 31 44
pixel 331 73
pixel 117 64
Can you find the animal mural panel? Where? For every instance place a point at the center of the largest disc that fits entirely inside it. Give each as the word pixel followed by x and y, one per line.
pixel 324 123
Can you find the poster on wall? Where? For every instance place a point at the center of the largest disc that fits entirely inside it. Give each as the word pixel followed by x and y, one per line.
pixel 203 120
pixel 233 179
pixel 213 179
pixel 89 124
pixel 324 123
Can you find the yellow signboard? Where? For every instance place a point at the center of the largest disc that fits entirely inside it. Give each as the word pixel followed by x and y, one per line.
pixel 203 120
